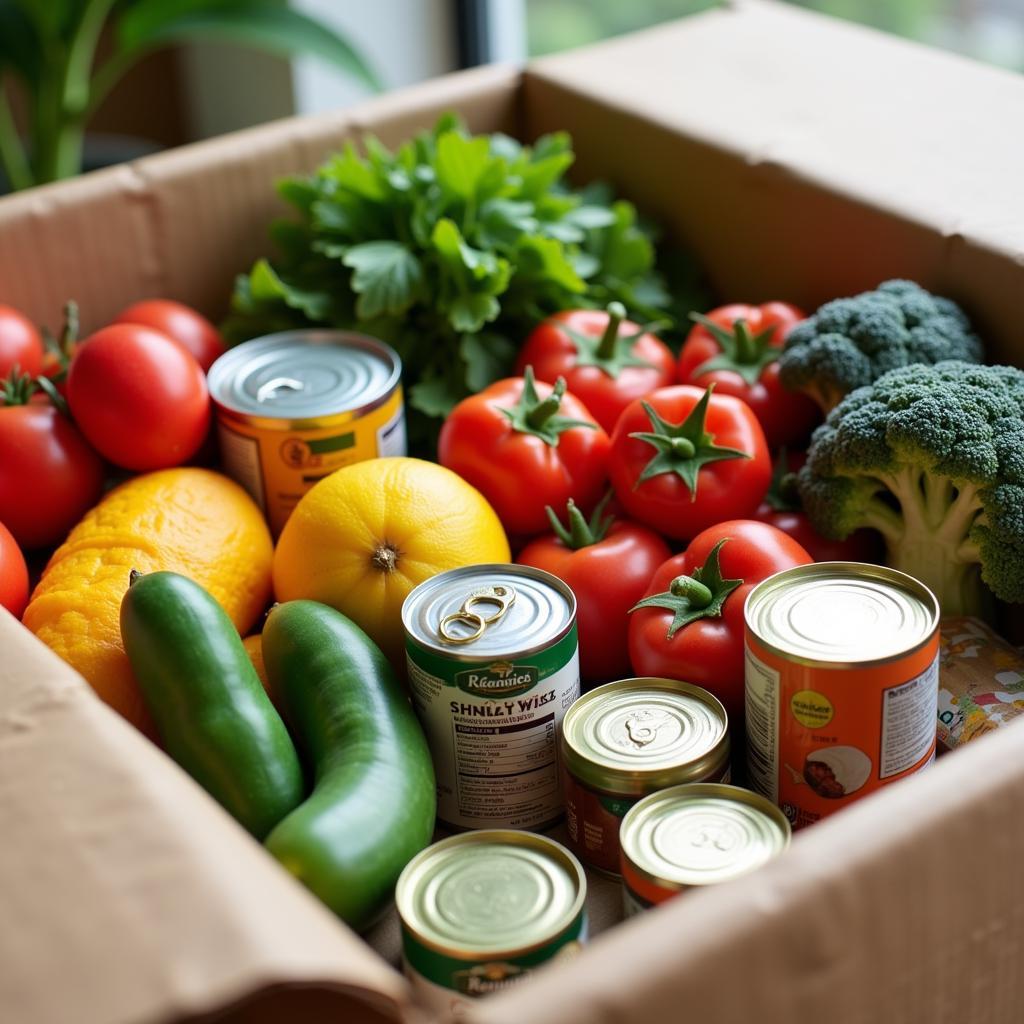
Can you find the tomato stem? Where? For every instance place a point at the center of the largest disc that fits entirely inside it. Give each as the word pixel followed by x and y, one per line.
pixel 610 339
pixel 682 448
pixel 580 533
pixel 741 352
pixel 537 416
pixel 701 595
pixel 547 407
pixel 692 589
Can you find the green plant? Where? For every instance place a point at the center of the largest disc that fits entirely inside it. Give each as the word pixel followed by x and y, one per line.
pixel 51 46
pixel 933 458
pixel 451 249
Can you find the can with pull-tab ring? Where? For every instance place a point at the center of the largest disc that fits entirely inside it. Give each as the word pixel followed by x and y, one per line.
pixel 493 667
pixel 295 406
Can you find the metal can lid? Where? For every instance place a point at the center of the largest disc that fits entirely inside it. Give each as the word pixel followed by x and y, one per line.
pixel 700 834
pixel 304 374
pixel 536 609
pixel 835 613
pixel 492 891
pixel 636 735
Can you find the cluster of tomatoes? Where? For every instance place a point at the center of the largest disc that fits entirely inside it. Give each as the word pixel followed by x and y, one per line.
pixel 686 447
pixel 131 396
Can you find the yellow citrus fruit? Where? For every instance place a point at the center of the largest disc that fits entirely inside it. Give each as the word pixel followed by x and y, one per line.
pixel 192 521
pixel 364 536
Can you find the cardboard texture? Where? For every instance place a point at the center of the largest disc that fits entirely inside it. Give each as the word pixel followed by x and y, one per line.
pixel 802 159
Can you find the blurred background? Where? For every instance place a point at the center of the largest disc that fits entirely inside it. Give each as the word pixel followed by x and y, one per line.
pixel 173 71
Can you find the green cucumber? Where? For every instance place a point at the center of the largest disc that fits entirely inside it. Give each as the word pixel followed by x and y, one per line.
pixel 209 706
pixel 373 801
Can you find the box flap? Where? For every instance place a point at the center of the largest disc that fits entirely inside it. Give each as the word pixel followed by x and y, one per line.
pixel 803 157
pixel 129 895
pixel 904 907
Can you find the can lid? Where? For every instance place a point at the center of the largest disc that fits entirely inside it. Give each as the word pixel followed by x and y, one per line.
pixel 841 613
pixel 528 610
pixel 304 374
pixel 490 891
pixel 635 735
pixel 701 834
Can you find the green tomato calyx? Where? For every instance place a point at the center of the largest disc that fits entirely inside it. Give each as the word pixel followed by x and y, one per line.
pixel 611 351
pixel 683 448
pixel 539 416
pixel 580 533
pixel 699 596
pixel 742 352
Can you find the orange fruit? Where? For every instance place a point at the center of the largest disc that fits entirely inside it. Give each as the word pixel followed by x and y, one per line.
pixel 364 536
pixel 254 648
pixel 192 521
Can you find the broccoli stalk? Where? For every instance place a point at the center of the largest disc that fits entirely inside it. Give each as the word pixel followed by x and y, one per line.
pixel 929 538
pixel 933 458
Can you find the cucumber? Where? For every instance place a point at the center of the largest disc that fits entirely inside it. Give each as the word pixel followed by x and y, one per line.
pixel 209 706
pixel 373 801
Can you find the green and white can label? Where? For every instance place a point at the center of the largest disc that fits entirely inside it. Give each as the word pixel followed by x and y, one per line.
pixel 481 910
pixel 492 706
pixel 448 983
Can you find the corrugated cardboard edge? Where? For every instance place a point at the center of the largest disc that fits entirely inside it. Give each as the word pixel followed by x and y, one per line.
pixel 803 157
pixel 182 224
pixel 128 891
pixel 905 907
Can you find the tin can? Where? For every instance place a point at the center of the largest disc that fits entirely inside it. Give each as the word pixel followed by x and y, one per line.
pixel 695 835
pixel 629 738
pixel 295 406
pixel 493 666
pixel 841 684
pixel 480 910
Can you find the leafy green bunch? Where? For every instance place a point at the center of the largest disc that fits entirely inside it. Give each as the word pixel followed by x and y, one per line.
pixel 451 249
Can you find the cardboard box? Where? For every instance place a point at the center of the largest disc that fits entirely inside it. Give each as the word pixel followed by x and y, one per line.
pixel 802 159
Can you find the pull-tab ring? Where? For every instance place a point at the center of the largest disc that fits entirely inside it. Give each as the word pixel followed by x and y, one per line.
pixel 502 596
pixel 462 616
pixel 271 388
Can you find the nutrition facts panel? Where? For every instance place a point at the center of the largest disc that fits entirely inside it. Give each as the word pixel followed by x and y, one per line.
pixel 506 771
pixel 762 708
pixel 908 721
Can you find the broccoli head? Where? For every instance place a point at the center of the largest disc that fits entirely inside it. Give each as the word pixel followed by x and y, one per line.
pixel 849 343
pixel 933 458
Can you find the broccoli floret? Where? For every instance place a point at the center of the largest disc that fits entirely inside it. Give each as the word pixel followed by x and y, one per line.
pixel 933 458
pixel 848 343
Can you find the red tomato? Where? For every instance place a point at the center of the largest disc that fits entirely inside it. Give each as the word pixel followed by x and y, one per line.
pixel 690 623
pixel 526 445
pixel 139 397
pixel 177 321
pixel 607 564
pixel 49 476
pixel 21 345
pixel 606 361
pixel 13 574
pixel 684 459
pixel 781 508
pixel 736 347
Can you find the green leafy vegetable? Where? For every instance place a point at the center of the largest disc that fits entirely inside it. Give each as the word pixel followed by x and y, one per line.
pixel 450 249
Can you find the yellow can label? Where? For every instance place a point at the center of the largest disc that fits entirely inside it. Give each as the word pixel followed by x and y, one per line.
pixel 277 467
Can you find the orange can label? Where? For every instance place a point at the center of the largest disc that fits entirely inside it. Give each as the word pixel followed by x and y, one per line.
pixel 819 737
pixel 277 467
